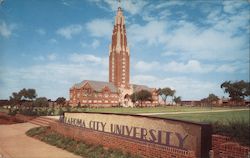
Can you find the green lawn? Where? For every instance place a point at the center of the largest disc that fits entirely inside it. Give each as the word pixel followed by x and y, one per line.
pixel 155 109
pixel 211 116
pixel 222 117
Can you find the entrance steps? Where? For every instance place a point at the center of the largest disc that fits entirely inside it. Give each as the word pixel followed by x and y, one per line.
pixel 42 121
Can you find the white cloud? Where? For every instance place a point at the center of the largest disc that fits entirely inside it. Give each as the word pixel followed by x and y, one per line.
pixel 208 44
pixel 5 29
pixel 187 88
pixel 83 44
pixel 68 31
pixel 146 66
pixel 134 6
pixel 91 59
pixel 66 3
pixel 52 56
pixel 191 66
pixel 226 68
pixel 53 41
pixel 169 53
pixel 100 27
pixel 50 80
pixel 232 6
pixel 41 31
pixel 131 6
pixel 95 43
pixel 152 33
pixel 39 58
pixel 169 3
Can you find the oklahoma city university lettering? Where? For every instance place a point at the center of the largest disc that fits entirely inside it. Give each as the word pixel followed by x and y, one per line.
pixel 152 130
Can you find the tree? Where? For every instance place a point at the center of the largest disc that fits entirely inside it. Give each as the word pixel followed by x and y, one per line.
pixel 211 99
pixel 172 92
pixel 61 101
pixel 133 97
pixel 141 96
pixel 29 94
pixel 15 99
pixel 177 100
pixel 41 102
pixel 237 90
pixel 165 92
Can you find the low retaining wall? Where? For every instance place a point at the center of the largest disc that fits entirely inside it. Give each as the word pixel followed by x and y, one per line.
pixel 135 147
pixel 18 118
pixel 224 147
pixel 23 118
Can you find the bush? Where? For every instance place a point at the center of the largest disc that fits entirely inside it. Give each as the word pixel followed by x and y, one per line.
pixel 237 129
pixel 12 111
pixel 79 148
pixel 36 131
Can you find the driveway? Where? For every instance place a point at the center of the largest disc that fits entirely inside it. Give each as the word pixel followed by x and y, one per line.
pixel 15 144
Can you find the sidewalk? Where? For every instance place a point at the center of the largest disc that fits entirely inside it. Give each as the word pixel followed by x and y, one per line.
pixel 15 144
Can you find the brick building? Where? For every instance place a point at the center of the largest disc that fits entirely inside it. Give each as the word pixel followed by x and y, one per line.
pixel 117 91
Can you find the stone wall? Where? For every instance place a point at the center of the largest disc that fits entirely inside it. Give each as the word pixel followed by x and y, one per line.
pixel 23 118
pixel 224 147
pixel 144 149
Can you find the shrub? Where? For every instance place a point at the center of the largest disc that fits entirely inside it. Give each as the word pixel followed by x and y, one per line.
pixel 237 129
pixel 79 148
pixel 36 131
pixel 12 111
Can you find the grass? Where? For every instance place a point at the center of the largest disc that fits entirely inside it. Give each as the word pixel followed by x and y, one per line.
pixel 76 147
pixel 155 109
pixel 235 124
pixel 211 116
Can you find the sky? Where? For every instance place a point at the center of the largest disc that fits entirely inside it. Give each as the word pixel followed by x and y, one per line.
pixel 191 46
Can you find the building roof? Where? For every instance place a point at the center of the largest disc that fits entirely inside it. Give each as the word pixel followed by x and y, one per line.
pixel 96 85
pixel 99 85
pixel 138 88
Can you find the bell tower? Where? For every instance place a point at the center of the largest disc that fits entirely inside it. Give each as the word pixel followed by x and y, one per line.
pixel 119 54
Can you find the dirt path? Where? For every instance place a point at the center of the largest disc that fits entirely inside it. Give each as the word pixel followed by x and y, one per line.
pixel 15 144
pixel 191 112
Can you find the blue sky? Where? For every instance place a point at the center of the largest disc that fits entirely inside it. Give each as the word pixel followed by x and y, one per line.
pixel 191 46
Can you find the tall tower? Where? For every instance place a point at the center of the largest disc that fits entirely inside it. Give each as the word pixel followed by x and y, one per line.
pixel 119 53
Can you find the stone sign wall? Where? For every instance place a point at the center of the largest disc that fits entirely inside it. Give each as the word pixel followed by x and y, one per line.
pixel 171 134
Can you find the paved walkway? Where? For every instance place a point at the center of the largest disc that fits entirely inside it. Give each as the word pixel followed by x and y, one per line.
pixel 15 144
pixel 190 112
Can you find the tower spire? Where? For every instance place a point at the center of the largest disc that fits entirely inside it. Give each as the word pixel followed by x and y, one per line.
pixel 119 3
pixel 119 55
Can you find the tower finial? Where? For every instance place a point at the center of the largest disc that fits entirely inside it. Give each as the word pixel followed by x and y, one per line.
pixel 119 3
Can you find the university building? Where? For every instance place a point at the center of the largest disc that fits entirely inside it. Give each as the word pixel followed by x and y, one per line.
pixel 116 92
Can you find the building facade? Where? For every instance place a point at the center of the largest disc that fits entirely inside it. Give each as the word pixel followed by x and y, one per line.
pixel 116 92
